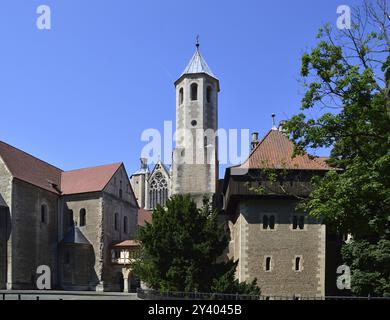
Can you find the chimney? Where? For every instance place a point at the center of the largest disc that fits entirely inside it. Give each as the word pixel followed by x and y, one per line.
pixel 255 140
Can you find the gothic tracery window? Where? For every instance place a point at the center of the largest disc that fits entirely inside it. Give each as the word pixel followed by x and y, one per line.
pixel 158 192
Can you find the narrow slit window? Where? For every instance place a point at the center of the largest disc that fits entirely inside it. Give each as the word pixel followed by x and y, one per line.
pixel 181 96
pixel 297 264
pixel 265 222
pixel 295 222
pixel 301 223
pixel 268 264
pixel 125 225
pixel 44 215
pixel 272 222
pixel 83 218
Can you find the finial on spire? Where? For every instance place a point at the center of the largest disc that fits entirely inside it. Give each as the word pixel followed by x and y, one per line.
pixel 273 122
pixel 197 42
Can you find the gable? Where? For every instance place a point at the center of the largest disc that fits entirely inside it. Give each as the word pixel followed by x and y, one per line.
pixel 120 180
pixel 88 179
pixel 159 167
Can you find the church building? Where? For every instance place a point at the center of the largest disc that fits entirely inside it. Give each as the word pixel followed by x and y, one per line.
pixel 77 223
pixel 195 161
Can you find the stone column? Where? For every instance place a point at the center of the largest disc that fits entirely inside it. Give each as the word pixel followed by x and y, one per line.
pixel 126 276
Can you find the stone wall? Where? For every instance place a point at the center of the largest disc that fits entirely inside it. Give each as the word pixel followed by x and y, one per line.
pixel 5 203
pixel 112 206
pixel 4 213
pixel 100 231
pixel 252 245
pixel 195 167
pixel 33 243
pixel 92 204
pixel 76 267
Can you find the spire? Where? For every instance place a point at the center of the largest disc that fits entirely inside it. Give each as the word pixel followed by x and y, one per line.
pixel 197 64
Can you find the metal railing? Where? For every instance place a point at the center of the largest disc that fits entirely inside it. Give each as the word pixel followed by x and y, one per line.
pixel 148 294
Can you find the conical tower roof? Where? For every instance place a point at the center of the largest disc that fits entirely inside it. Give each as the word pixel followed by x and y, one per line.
pixel 198 64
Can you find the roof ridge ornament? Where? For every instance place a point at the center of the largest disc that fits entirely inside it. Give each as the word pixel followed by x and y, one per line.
pixel 273 122
pixel 197 42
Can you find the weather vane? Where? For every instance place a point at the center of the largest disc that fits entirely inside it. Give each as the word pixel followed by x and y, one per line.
pixel 197 41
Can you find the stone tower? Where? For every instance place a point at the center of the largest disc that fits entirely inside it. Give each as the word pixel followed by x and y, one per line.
pixel 195 161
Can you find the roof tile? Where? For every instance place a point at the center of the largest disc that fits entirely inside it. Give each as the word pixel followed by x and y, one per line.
pixel 30 169
pixel 88 179
pixel 276 151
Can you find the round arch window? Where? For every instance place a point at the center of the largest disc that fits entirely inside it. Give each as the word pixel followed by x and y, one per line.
pixel 181 96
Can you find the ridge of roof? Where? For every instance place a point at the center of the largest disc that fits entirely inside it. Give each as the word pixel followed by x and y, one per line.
pixel 29 155
pixel 94 167
pixel 30 169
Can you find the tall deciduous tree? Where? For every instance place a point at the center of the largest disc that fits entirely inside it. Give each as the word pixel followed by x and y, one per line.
pixel 181 250
pixel 347 81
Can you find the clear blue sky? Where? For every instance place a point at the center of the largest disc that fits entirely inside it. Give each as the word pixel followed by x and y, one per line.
pixel 82 93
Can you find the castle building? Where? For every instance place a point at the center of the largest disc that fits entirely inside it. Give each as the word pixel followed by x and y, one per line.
pixel 75 222
pixel 289 252
pixel 82 223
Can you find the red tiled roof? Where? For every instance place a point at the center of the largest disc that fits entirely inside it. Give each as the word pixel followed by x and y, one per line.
pixel 25 167
pixel 30 169
pixel 275 151
pixel 88 179
pixel 143 217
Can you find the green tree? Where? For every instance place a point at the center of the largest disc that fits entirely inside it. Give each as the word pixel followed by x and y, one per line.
pixel 347 80
pixel 181 250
